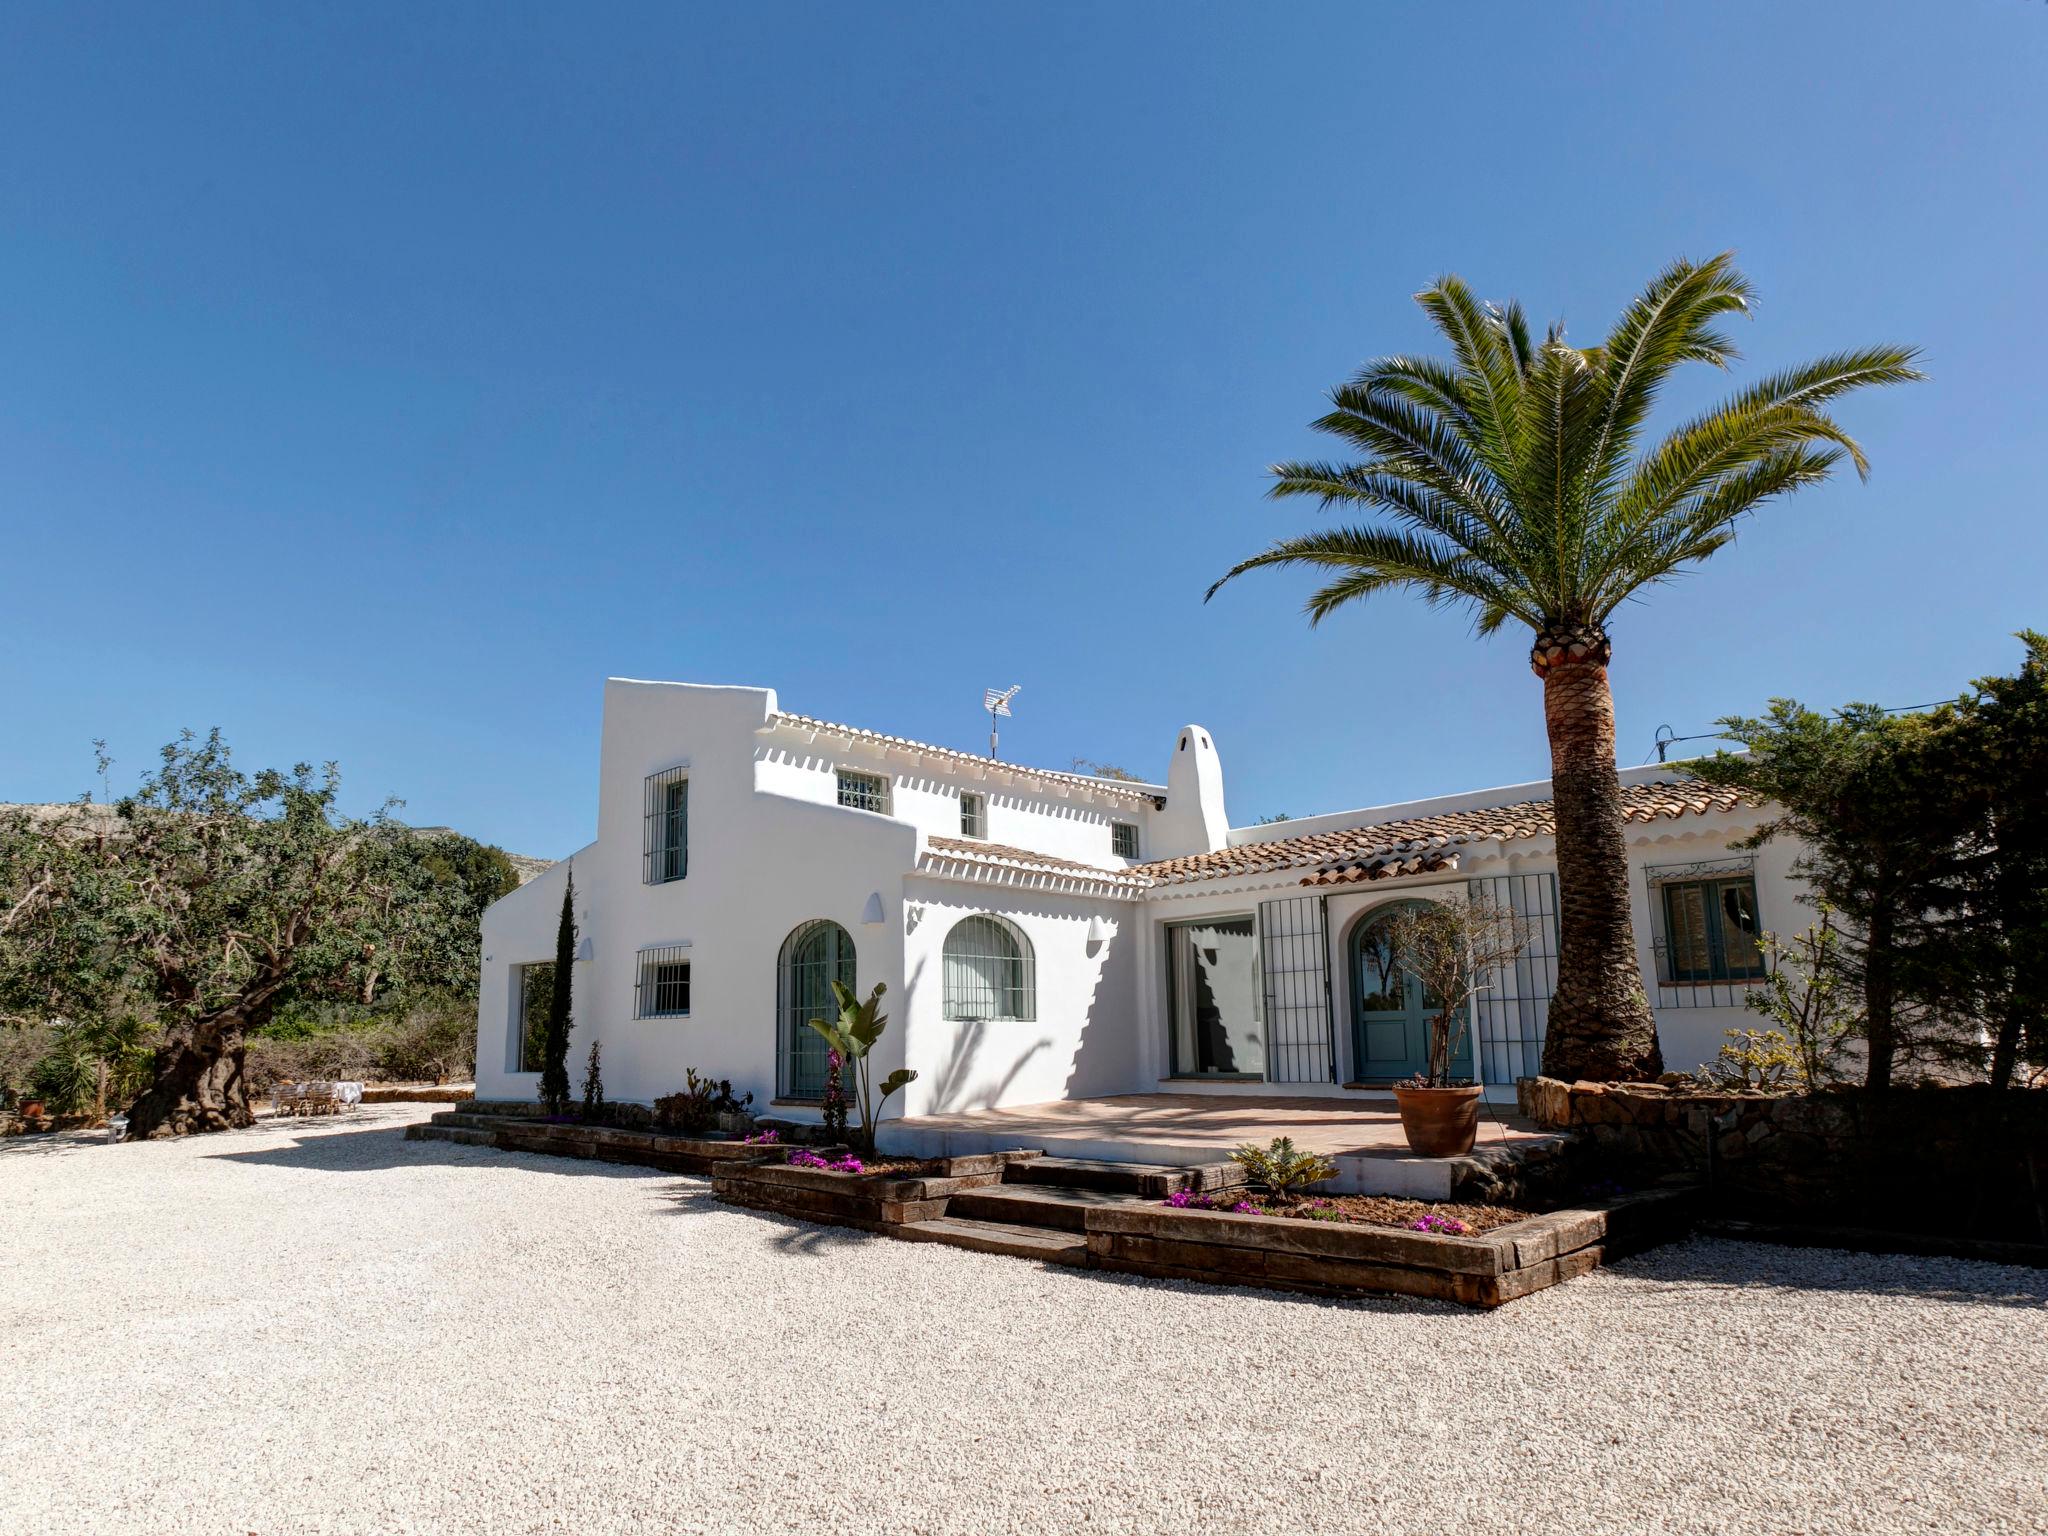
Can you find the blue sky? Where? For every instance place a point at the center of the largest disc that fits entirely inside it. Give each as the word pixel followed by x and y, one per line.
pixel 374 382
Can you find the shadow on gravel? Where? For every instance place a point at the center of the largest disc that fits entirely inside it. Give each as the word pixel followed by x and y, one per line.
pixel 43 1143
pixel 378 1147
pixel 792 1234
pixel 1721 1264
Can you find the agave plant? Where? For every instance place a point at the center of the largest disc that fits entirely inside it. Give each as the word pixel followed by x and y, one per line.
pixel 1282 1169
pixel 1517 478
pixel 853 1035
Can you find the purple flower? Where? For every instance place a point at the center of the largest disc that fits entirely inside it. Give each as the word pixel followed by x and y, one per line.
pixel 1431 1222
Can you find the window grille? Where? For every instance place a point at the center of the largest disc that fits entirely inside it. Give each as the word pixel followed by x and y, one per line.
pixel 1294 975
pixel 663 990
pixel 1508 1020
pixel 863 791
pixel 1123 839
pixel 990 971
pixel 533 990
pixel 666 845
pixel 973 815
pixel 815 955
pixel 1704 930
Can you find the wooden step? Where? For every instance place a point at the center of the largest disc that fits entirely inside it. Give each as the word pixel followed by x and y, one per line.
pixel 999 1237
pixel 1086 1173
pixel 1035 1205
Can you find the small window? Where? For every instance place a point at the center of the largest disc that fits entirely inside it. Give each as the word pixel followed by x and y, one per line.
pixel 533 989
pixel 863 791
pixel 667 842
pixel 973 815
pixel 1712 929
pixel 663 991
pixel 988 971
pixel 1123 839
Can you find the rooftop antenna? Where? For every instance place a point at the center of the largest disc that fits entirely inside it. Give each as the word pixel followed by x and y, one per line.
pixel 997 702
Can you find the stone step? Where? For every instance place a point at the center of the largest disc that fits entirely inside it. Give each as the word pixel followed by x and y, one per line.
pixel 1035 1205
pixel 999 1237
pixel 467 1119
pixel 1153 1180
pixel 461 1135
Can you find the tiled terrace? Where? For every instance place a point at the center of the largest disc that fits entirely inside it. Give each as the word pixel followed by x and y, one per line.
pixel 1363 1135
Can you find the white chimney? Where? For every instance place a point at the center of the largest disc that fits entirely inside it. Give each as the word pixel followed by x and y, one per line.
pixel 1194 820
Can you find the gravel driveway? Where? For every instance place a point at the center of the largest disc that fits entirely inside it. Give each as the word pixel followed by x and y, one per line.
pixel 324 1328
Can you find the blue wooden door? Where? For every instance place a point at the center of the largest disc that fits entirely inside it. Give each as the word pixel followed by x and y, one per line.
pixel 1390 1012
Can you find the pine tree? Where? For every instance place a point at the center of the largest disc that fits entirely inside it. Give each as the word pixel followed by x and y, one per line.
pixel 554 1068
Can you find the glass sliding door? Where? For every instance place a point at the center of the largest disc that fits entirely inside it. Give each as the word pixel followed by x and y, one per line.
pixel 1212 975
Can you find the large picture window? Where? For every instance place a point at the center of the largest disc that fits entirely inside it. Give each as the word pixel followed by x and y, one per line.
pixel 1711 929
pixel 533 988
pixel 667 842
pixel 1212 997
pixel 990 971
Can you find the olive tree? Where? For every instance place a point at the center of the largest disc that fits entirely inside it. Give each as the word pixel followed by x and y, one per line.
pixel 211 897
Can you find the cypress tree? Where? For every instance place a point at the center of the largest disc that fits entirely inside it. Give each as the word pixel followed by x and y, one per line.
pixel 554 1068
pixel 593 1087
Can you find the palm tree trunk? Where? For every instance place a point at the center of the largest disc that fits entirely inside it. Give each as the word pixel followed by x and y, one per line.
pixel 1601 1026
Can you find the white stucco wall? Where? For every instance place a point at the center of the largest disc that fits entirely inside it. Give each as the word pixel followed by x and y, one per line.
pixel 770 849
pixel 1084 1038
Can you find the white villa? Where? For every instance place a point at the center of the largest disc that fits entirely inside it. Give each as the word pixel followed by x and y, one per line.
pixel 1047 935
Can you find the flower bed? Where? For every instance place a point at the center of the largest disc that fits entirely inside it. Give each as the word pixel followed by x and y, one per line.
pixel 1443 1217
pixel 1350 1257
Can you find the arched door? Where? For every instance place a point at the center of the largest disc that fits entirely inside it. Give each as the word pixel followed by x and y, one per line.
pixel 1390 1012
pixel 813 957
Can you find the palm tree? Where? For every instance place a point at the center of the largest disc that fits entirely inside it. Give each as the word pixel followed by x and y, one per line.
pixel 1508 478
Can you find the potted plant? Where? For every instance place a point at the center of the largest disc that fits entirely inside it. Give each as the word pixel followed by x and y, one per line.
pixel 1457 950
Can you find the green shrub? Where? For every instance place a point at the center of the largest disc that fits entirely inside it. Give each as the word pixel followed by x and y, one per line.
pixel 696 1109
pixel 1284 1171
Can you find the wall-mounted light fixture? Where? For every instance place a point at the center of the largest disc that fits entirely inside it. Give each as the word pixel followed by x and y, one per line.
pixel 872 915
pixel 1098 931
pixel 583 948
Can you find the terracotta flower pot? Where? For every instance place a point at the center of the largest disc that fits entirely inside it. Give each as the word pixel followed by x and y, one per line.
pixel 1439 1122
pixel 32 1109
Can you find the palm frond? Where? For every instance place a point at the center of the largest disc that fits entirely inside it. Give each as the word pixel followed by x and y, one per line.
pixel 1509 474
pixel 1379 485
pixel 1828 378
pixel 1705 523
pixel 1376 559
pixel 1486 350
pixel 1668 323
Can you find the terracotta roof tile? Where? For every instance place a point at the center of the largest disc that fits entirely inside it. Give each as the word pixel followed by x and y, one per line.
pixel 1001 855
pixel 1334 854
pixel 1115 789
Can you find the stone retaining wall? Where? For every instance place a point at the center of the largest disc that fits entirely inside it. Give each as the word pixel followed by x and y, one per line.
pixel 1966 1160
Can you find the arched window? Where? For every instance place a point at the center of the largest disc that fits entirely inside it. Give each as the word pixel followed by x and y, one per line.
pixel 815 955
pixel 990 972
